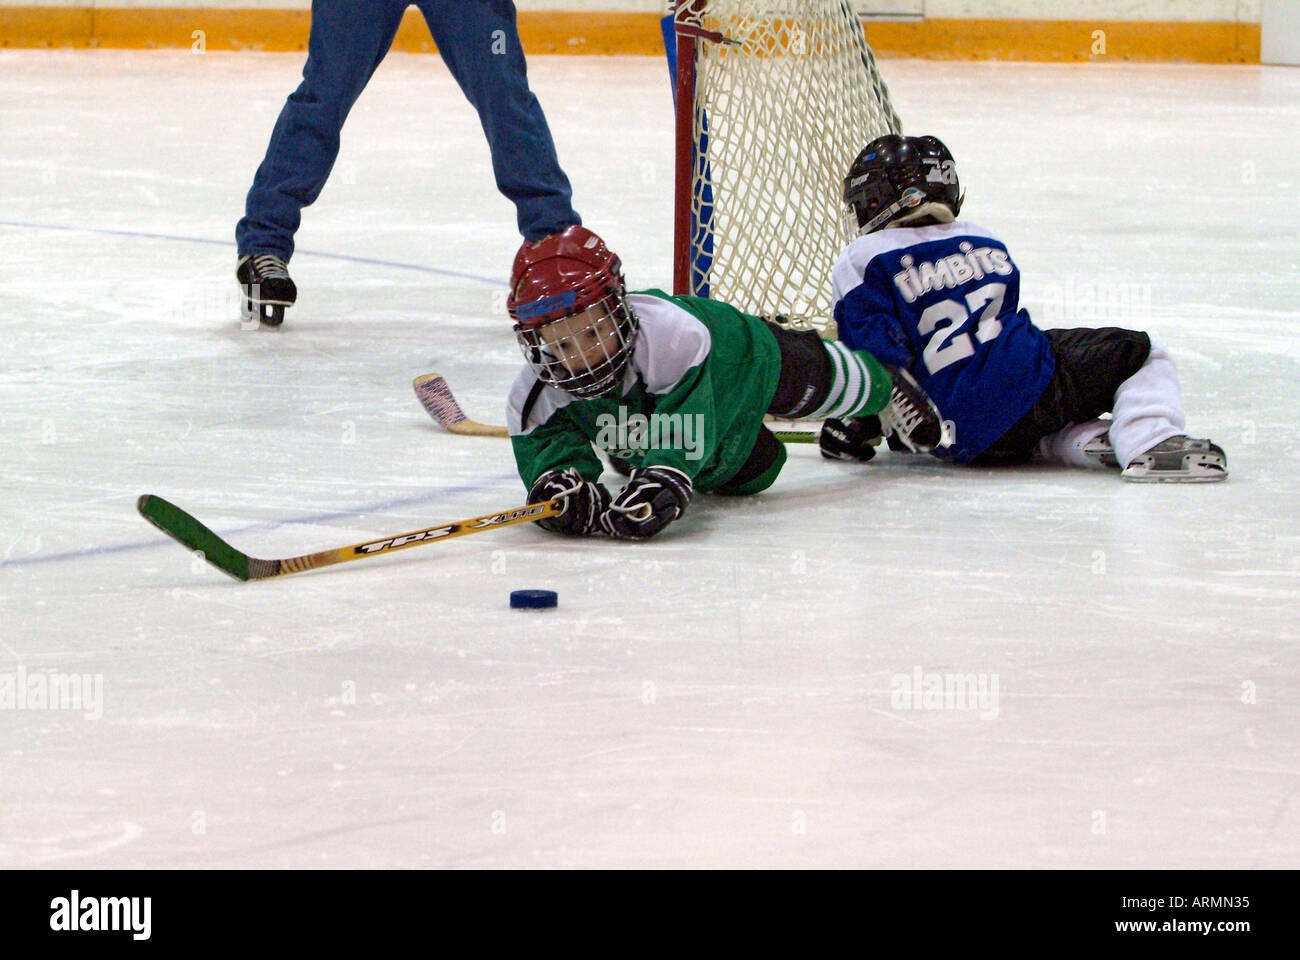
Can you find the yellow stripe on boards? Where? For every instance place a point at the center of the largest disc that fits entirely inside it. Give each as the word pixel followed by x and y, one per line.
pixel 596 32
pixel 1068 40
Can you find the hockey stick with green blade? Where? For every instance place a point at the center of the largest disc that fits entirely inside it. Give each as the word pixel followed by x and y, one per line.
pixel 196 537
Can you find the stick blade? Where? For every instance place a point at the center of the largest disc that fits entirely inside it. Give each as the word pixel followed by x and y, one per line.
pixel 436 397
pixel 194 536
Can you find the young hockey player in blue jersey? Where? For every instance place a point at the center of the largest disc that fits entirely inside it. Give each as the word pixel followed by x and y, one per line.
pixel 675 386
pixel 940 297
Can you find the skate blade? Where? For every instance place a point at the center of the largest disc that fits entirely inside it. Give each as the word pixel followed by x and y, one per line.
pixel 1201 474
pixel 267 314
pixel 1198 478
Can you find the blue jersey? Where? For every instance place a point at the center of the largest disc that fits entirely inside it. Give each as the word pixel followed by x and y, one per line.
pixel 943 302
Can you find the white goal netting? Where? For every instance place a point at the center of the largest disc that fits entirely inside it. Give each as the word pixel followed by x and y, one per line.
pixel 786 94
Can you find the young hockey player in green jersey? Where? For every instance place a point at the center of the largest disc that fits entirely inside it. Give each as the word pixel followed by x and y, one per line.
pixel 676 386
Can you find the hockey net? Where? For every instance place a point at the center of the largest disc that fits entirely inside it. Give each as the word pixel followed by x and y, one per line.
pixel 775 98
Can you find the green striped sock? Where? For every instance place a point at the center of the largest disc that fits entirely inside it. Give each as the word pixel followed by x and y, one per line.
pixel 860 386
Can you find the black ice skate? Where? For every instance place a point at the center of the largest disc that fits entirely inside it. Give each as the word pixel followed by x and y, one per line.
pixel 911 418
pixel 1179 459
pixel 264 280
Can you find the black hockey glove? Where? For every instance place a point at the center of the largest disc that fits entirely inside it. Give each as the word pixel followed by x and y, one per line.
pixel 854 439
pixel 585 500
pixel 652 499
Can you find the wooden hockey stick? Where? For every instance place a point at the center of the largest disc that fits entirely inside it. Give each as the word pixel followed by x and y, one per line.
pixel 436 398
pixel 189 533
pixel 795 436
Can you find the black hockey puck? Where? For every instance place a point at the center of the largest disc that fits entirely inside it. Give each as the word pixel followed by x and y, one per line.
pixel 533 599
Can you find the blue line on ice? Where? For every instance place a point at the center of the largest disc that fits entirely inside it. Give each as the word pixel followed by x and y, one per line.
pixel 494 281
pixel 440 493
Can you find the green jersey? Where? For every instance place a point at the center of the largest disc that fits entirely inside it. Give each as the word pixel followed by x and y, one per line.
pixel 693 397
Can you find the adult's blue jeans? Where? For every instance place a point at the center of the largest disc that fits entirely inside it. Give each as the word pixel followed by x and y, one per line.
pixel 479 42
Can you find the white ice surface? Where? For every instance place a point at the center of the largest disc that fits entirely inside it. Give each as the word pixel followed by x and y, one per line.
pixel 720 696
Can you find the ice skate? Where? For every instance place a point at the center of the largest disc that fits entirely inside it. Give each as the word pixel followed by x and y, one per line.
pixel 911 419
pixel 1180 459
pixel 267 288
pixel 1100 450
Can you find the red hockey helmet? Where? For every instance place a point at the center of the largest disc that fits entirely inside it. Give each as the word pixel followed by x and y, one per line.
pixel 568 302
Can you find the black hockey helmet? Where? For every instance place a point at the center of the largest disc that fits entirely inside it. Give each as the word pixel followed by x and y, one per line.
pixel 899 180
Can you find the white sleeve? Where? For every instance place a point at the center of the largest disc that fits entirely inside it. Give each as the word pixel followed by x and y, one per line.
pixel 671 342
pixel 548 401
